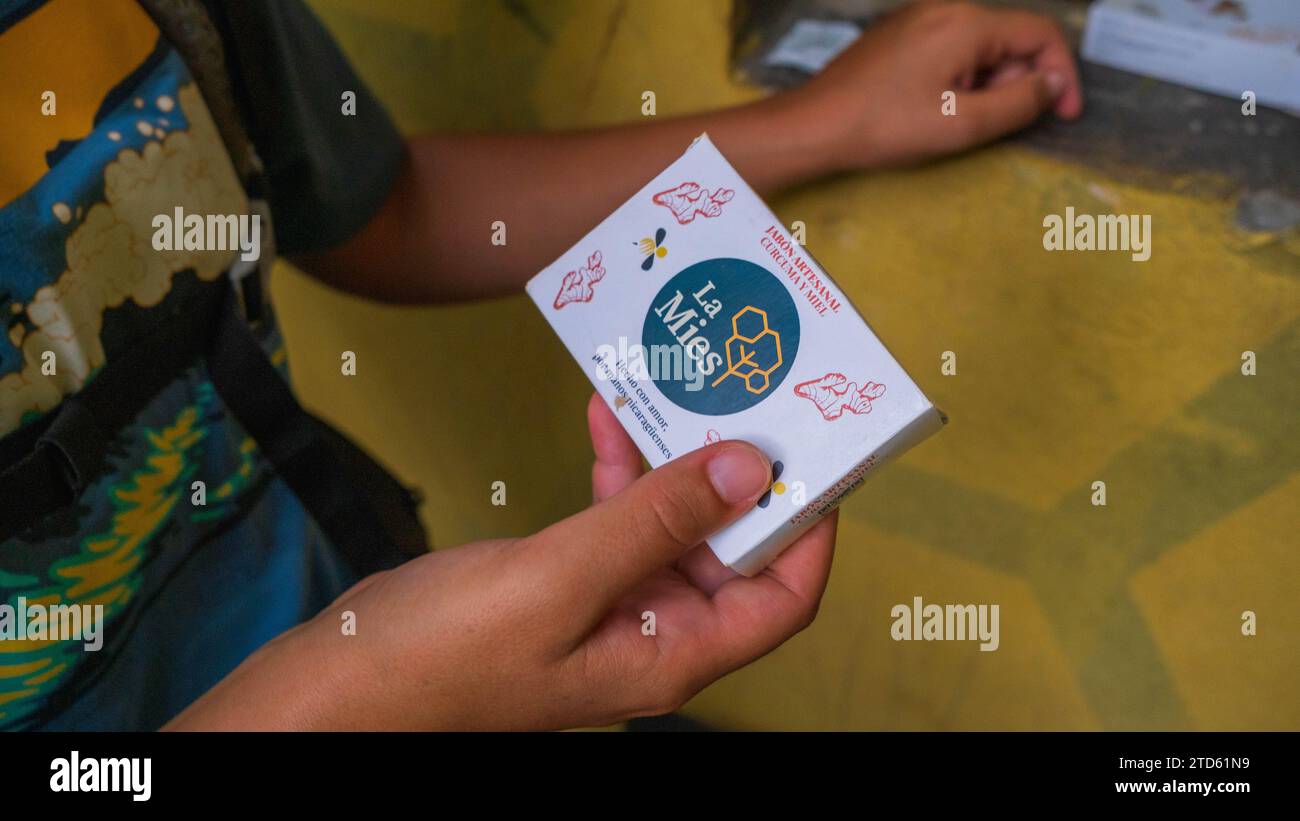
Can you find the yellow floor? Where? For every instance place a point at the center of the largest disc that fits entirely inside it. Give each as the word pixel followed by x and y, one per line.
pixel 1072 368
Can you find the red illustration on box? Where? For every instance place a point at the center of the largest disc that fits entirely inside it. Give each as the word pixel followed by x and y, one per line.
pixel 712 437
pixel 578 286
pixel 689 199
pixel 834 393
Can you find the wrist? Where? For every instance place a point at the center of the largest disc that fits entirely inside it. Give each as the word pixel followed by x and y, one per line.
pixel 842 137
pixel 775 142
pixel 812 132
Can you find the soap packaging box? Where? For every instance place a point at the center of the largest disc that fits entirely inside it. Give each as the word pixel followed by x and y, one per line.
pixel 698 318
pixel 1225 47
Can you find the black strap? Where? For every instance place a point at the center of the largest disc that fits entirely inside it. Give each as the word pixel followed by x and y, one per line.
pixel 358 504
pixel 45 467
pixel 369 516
pixel 188 28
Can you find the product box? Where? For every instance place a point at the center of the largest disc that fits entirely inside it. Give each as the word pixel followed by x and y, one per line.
pixel 1224 47
pixel 699 318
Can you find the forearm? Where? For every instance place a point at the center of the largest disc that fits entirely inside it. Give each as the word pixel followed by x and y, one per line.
pixel 877 104
pixel 433 239
pixel 294 682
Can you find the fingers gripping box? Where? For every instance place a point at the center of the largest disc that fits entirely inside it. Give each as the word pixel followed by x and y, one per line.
pixel 698 318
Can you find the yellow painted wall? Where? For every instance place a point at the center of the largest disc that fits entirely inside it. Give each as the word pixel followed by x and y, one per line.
pixel 1071 368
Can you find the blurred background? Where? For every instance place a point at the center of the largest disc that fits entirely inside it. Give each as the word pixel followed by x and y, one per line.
pixel 1071 368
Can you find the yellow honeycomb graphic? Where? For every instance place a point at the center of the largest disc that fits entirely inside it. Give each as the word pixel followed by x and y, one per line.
pixel 742 361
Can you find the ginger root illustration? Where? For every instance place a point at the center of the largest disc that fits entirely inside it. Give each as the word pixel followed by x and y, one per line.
pixel 834 394
pixel 689 199
pixel 578 286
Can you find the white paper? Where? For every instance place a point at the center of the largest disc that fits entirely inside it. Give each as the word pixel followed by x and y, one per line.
pixel 811 44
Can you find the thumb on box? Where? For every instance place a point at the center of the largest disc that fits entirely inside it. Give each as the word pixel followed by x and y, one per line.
pixel 603 552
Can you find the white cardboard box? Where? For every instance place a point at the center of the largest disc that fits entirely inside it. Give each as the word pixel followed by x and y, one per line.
pixel 1221 47
pixel 698 318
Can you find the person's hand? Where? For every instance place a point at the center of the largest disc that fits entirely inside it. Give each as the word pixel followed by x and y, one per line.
pixel 880 102
pixel 546 631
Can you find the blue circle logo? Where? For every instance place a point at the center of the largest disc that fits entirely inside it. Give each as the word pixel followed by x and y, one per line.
pixel 720 336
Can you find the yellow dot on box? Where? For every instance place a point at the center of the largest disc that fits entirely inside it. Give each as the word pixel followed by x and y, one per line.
pixel 778 488
pixel 660 252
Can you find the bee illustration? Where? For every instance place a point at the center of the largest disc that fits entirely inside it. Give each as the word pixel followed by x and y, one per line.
pixel 777 487
pixel 653 249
